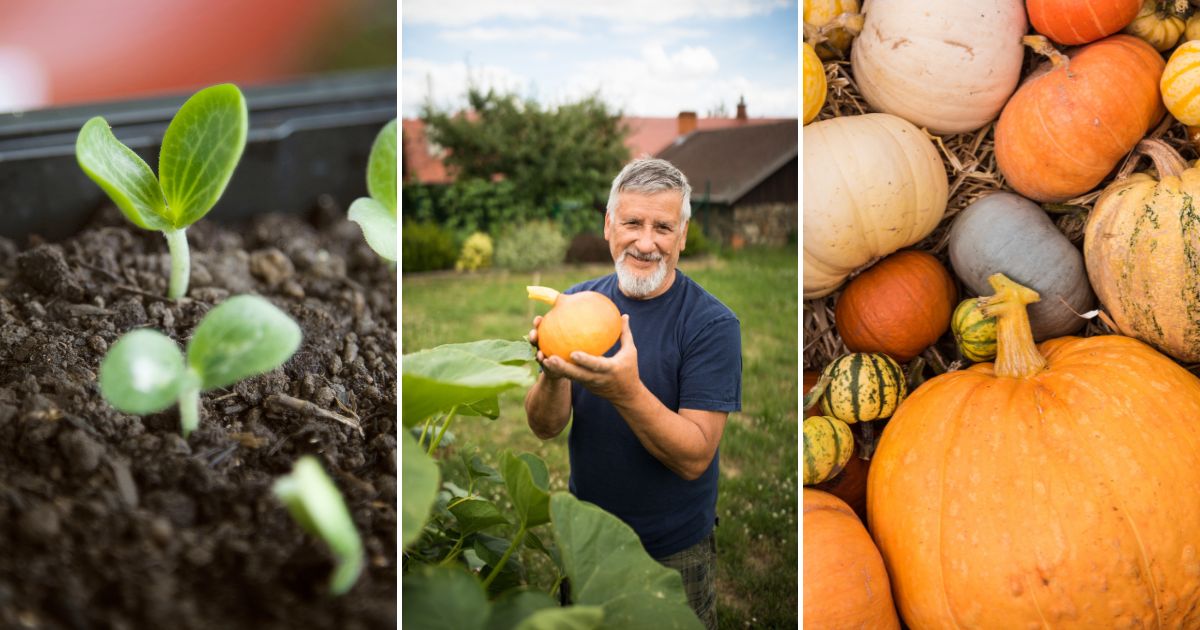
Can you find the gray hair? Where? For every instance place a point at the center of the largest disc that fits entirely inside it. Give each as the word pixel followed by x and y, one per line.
pixel 652 175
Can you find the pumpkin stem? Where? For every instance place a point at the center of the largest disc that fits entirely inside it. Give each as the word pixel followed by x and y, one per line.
pixel 1016 353
pixel 1042 46
pixel 1166 160
pixel 1182 8
pixel 814 395
pixel 542 294
pixel 852 23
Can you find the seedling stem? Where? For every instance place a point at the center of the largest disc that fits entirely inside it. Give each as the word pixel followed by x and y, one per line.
pixel 181 263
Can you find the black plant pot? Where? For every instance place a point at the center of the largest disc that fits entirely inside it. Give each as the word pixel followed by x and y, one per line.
pixel 307 138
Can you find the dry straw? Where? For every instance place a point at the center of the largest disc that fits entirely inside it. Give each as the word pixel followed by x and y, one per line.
pixel 970 162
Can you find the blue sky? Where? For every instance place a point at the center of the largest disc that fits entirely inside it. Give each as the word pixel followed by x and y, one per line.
pixel 695 55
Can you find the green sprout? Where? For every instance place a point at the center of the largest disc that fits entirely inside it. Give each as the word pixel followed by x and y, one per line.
pixel 376 215
pixel 144 372
pixel 200 149
pixel 315 503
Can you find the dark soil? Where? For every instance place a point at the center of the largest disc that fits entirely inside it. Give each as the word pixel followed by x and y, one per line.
pixel 109 520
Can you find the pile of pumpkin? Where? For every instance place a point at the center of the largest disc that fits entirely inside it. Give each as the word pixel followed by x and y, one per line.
pixel 1050 474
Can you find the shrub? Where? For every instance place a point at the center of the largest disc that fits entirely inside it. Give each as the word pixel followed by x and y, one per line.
pixel 528 246
pixel 588 248
pixel 476 253
pixel 698 243
pixel 427 247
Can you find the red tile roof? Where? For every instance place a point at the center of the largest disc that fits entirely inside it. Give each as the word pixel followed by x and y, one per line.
pixel 421 163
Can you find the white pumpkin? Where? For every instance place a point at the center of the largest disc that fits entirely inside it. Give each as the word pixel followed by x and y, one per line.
pixel 872 184
pixel 947 65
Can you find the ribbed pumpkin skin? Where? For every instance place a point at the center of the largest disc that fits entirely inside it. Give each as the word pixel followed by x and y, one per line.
pixel 947 65
pixel 828 445
pixel 1074 22
pixel 1160 31
pixel 1180 83
pixel 818 13
pixel 1049 145
pixel 974 334
pixel 814 84
pixel 591 323
pixel 1066 499
pixel 1142 247
pixel 1191 29
pixel 872 184
pixel 845 585
pixel 863 387
pixel 1004 233
pixel 899 307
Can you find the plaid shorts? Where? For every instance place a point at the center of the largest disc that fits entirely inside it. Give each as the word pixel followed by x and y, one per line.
pixel 698 567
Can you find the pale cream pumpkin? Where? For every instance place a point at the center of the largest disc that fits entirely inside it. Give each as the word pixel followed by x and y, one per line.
pixel 814 84
pixel 830 26
pixel 947 65
pixel 1142 251
pixel 872 184
pixel 1180 83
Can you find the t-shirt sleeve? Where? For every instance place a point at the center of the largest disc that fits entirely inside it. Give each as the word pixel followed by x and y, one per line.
pixel 711 374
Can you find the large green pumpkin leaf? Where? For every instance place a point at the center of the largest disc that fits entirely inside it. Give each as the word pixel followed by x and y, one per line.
pixel 475 515
pixel 498 350
pixel 443 598
pixel 438 379
pixel 608 567
pixel 243 336
pixel 122 174
pixel 381 170
pixel 200 150
pixel 514 606
pixel 573 618
pixel 527 487
pixel 419 485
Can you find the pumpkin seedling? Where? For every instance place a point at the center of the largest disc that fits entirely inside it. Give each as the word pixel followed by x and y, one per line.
pixel 314 501
pixel 376 215
pixel 199 152
pixel 144 372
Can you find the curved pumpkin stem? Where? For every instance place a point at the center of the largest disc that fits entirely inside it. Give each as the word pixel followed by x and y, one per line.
pixel 542 294
pixel 1166 160
pixel 1016 353
pixel 1042 46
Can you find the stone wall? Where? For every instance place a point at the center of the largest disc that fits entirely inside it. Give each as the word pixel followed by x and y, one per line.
pixel 752 224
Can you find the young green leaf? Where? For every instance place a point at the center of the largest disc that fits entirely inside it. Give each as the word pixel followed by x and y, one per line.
pixel 142 372
pixel 419 488
pixel 243 336
pixel 200 150
pixel 376 215
pixel 317 505
pixel 126 178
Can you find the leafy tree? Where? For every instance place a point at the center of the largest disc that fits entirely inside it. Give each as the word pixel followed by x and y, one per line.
pixel 556 161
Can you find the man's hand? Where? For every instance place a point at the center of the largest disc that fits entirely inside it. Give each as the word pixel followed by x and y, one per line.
pixel 613 378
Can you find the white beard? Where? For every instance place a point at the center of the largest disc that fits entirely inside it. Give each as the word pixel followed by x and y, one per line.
pixel 636 286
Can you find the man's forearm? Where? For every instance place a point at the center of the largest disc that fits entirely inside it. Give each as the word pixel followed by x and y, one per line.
pixel 548 405
pixel 686 445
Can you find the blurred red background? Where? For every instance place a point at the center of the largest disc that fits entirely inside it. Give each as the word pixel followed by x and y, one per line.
pixel 60 53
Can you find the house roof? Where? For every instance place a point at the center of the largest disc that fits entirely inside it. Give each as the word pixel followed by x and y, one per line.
pixel 726 164
pixel 422 161
pixel 648 136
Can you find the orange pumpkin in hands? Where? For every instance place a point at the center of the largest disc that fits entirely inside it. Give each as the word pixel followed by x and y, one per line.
pixel 586 321
pixel 899 307
pixel 1053 488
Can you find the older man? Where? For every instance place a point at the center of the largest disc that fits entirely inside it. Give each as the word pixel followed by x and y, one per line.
pixel 649 418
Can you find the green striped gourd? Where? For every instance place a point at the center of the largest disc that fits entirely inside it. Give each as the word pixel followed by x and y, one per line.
pixel 974 333
pixel 828 445
pixel 863 387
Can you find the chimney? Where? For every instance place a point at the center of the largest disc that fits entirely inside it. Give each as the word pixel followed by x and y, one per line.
pixel 741 112
pixel 687 123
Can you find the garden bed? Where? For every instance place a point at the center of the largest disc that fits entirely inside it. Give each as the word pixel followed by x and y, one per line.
pixel 110 520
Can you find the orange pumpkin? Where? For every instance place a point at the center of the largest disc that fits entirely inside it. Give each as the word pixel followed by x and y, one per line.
pixel 1065 129
pixel 899 307
pixel 845 585
pixel 850 485
pixel 1080 21
pixel 1053 488
pixel 586 321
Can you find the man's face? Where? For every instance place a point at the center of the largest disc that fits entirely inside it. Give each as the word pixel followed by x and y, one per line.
pixel 645 236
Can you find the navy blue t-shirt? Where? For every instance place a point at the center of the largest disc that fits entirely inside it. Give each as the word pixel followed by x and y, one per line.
pixel 690 357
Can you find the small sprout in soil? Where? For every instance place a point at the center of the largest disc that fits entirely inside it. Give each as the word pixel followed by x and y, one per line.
pixel 199 152
pixel 377 214
pixel 316 504
pixel 246 335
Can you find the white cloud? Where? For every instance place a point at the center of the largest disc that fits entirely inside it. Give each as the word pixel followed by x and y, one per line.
pixel 447 83
pixel 461 12
pixel 499 34
pixel 690 62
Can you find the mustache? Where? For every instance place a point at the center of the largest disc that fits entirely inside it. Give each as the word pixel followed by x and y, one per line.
pixel 651 257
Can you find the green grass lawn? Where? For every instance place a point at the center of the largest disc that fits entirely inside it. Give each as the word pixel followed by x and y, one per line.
pixel 756 538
